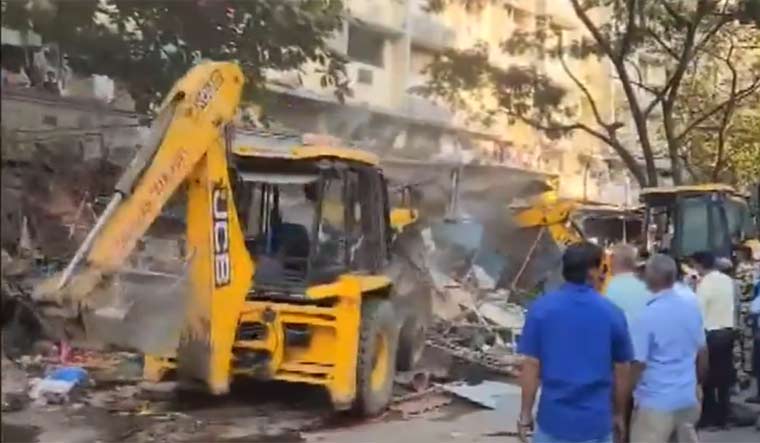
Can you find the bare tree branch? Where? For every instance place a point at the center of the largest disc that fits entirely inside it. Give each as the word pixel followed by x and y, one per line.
pixel 673 13
pixel 687 164
pixel 739 96
pixel 638 117
pixel 644 86
pixel 630 29
pixel 658 97
pixel 628 159
pixel 711 33
pixel 656 37
pixel 658 94
pixel 603 43
pixel 592 102
pixel 640 75
pixel 730 106
pixel 674 82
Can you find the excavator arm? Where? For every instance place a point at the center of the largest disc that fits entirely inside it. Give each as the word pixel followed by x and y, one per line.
pixel 187 146
pixel 555 218
pixel 187 134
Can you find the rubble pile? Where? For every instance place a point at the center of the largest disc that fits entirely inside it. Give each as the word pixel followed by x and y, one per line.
pixel 14 387
pixel 473 320
pixel 54 183
pixel 51 191
pixel 55 189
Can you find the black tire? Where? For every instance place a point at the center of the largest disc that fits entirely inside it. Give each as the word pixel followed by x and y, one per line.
pixel 378 338
pixel 411 343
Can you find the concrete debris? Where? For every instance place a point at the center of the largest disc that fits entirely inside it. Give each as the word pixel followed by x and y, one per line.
pixel 160 391
pixel 15 384
pixel 449 303
pixel 473 316
pixel 507 316
pixel 417 381
pixel 484 279
pixel 414 407
pixel 504 363
pixel 53 191
pixel 489 394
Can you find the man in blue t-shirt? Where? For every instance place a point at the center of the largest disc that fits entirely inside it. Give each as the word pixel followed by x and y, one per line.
pixel 577 348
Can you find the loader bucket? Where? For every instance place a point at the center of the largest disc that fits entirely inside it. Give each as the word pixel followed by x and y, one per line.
pixel 143 311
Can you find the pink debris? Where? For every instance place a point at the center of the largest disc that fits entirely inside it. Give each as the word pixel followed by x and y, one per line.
pixel 65 352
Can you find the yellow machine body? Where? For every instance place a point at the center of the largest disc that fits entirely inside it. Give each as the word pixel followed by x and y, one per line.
pixel 192 147
pixel 665 217
pixel 555 216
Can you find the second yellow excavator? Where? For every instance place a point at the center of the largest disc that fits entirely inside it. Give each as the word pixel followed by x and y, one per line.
pixel 568 221
pixel 289 247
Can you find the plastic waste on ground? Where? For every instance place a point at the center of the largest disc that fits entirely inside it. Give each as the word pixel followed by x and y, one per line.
pixel 55 387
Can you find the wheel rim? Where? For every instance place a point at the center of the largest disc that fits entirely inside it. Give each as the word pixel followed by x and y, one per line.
pixel 379 363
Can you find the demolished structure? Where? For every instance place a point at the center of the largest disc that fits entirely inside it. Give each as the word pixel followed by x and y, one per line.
pixel 466 254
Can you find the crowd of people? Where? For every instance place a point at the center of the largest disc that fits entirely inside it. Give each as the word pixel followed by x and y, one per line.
pixel 650 360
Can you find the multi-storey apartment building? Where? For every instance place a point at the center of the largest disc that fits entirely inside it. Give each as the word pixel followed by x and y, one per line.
pixel 390 42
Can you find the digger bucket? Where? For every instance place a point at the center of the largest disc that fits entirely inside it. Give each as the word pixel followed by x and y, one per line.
pixel 143 311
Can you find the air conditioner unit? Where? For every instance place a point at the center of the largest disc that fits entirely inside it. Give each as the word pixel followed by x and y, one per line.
pixel 364 76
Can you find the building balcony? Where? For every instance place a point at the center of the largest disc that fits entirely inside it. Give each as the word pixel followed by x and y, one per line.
pixel 505 61
pixel 289 79
pixel 426 110
pixel 22 38
pixel 522 5
pixel 430 33
pixel 554 70
pixel 382 15
pixel 371 85
pixel 562 13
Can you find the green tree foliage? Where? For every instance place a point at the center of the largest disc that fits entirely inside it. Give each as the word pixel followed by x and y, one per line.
pixel 675 33
pixel 721 106
pixel 147 44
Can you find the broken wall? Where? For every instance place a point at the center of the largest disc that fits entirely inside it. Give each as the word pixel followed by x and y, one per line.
pixel 59 155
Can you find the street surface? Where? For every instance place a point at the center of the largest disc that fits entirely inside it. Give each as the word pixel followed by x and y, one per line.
pixel 291 414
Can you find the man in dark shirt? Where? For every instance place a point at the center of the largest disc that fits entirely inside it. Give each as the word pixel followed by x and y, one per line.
pixel 577 348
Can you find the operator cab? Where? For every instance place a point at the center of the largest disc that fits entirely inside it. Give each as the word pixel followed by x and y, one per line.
pixel 308 219
pixel 688 219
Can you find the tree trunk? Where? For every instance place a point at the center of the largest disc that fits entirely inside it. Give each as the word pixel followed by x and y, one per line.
pixel 642 130
pixel 674 144
pixel 640 121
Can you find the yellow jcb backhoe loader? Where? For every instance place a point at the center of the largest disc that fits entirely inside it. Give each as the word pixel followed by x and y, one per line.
pixel 289 249
pixel 562 219
pixel 687 219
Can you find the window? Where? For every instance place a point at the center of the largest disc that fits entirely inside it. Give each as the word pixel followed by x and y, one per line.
pixel 50 120
pixel 279 218
pixel 701 226
pixel 331 230
pixel 366 221
pixel 276 212
pixel 364 76
pixel 366 46
pixel 739 219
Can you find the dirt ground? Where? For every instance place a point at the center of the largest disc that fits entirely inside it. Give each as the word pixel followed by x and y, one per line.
pixel 265 412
